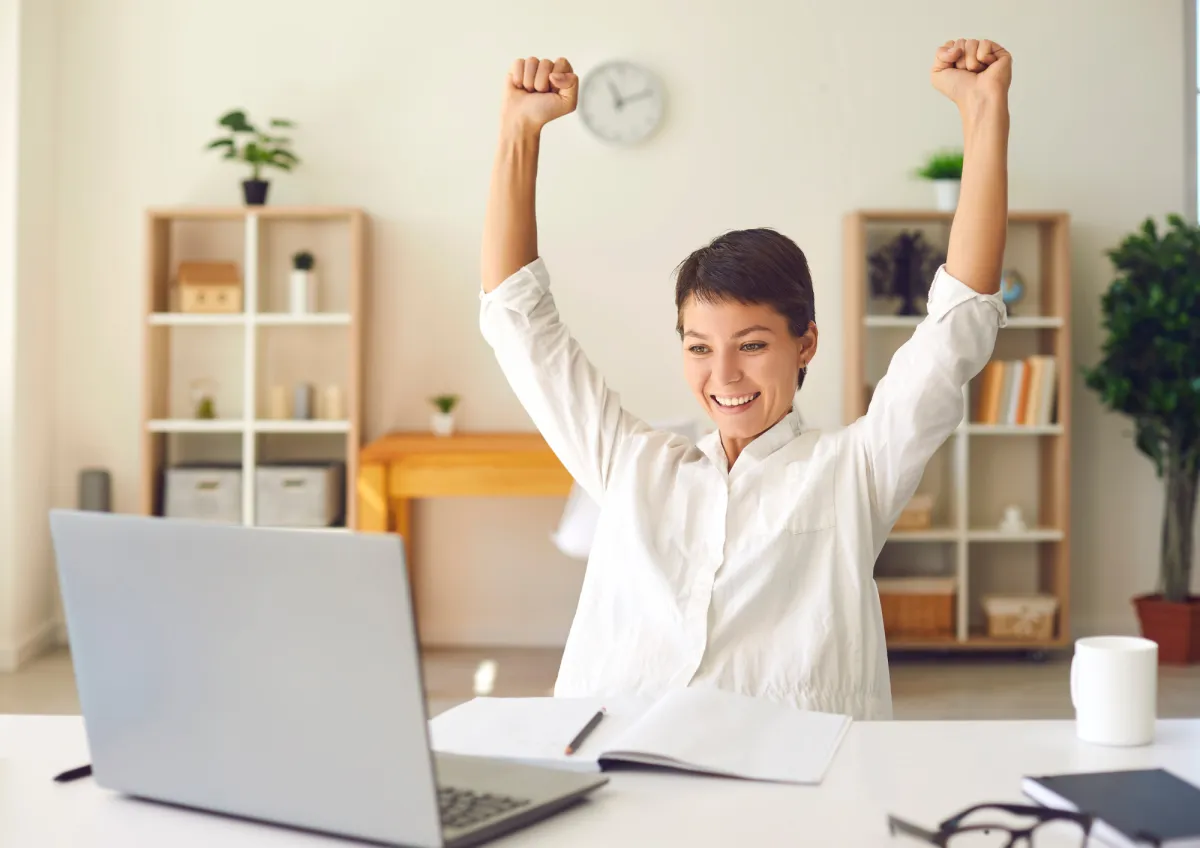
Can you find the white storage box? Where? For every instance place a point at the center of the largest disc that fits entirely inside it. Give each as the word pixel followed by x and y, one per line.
pixel 299 495
pixel 204 492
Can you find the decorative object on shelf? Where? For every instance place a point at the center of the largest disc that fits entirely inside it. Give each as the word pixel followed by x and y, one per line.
pixel 332 408
pixel 209 287
pixel 1150 371
pixel 1020 392
pixel 1012 288
pixel 485 677
pixel 944 169
pixel 621 102
pixel 917 514
pixel 1020 616
pixel 302 402
pixel 1013 521
pixel 204 403
pixel 300 494
pixel 95 490
pixel 277 404
pixel 303 284
pixel 208 492
pixel 917 607
pixel 260 150
pixel 904 267
pixel 443 418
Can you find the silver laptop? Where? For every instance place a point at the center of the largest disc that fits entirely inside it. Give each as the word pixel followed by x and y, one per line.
pixel 273 675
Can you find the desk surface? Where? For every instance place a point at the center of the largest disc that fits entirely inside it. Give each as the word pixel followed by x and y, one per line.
pixel 922 770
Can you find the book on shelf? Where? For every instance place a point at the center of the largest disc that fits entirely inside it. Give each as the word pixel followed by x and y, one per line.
pixel 1017 392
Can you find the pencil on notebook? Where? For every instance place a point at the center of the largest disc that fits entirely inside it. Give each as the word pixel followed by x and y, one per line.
pixel 574 744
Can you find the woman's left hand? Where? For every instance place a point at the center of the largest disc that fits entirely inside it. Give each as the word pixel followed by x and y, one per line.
pixel 967 68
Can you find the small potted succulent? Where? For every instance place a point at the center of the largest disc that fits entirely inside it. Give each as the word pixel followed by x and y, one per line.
pixel 303 285
pixel 260 150
pixel 443 416
pixel 944 169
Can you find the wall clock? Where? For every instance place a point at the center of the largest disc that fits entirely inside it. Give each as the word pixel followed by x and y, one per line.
pixel 621 102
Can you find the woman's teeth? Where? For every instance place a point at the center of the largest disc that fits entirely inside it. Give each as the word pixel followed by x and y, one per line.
pixel 740 400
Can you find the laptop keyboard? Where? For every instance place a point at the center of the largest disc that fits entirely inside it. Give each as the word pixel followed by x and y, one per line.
pixel 464 808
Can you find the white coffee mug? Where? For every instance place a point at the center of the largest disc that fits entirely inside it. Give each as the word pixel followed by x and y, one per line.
pixel 1114 689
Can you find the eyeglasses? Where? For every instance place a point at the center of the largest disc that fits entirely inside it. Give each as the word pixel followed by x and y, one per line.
pixel 1001 826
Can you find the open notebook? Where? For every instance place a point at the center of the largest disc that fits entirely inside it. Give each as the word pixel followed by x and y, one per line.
pixel 698 730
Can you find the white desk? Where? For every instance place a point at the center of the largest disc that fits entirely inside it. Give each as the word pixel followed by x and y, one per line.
pixel 921 770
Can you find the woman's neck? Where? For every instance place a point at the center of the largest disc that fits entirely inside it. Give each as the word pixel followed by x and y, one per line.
pixel 734 445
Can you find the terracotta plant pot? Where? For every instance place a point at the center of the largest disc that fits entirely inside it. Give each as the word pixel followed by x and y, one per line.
pixel 1175 627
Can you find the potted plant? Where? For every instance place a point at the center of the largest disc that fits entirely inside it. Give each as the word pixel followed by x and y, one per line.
pixel 945 169
pixel 903 267
pixel 1150 371
pixel 260 150
pixel 303 287
pixel 443 418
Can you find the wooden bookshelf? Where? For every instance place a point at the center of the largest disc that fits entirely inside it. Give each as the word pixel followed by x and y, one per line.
pixel 982 467
pixel 247 353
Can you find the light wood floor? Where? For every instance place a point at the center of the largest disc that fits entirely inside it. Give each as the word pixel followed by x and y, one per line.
pixel 927 687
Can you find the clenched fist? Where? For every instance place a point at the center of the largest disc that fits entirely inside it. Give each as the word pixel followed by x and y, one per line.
pixel 536 91
pixel 967 67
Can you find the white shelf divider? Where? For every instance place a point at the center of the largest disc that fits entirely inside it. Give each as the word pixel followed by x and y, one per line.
pixel 250 373
pixel 1016 322
pixel 1013 429
pixel 1033 534
pixel 195 425
pixel 300 426
pixel 315 319
pixel 188 319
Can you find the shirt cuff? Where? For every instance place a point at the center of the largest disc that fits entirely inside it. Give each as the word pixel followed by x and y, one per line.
pixel 948 291
pixel 521 291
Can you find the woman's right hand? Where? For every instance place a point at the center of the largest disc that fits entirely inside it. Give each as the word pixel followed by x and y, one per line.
pixel 536 91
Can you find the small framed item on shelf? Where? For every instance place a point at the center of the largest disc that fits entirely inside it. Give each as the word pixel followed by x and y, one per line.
pixel 209 287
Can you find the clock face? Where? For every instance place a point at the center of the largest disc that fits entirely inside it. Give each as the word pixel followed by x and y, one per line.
pixel 621 102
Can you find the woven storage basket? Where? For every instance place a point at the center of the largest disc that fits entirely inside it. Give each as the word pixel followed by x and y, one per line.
pixel 917 606
pixel 1020 616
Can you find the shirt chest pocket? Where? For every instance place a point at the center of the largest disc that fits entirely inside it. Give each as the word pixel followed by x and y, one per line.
pixel 809 492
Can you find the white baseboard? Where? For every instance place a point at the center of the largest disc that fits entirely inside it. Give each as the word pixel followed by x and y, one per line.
pixel 38 642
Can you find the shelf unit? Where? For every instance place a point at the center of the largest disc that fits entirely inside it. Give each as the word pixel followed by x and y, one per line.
pixel 982 467
pixel 249 352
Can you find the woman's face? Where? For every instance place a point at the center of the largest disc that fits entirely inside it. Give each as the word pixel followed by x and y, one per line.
pixel 742 363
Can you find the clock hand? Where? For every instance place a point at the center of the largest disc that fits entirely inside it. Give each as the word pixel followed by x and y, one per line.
pixel 616 95
pixel 639 96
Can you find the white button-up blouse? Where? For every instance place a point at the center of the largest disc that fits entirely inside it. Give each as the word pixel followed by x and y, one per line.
pixel 757 578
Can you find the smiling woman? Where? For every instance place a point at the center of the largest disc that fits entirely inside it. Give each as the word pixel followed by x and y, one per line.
pixel 745 306
pixel 745 560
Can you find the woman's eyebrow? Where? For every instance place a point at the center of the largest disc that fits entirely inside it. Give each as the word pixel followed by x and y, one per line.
pixel 757 328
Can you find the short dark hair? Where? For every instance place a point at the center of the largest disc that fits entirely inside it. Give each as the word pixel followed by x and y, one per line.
pixel 759 266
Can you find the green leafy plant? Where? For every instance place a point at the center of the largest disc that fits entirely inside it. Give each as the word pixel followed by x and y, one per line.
pixel 944 165
pixel 1150 371
pixel 302 261
pixel 258 149
pixel 445 403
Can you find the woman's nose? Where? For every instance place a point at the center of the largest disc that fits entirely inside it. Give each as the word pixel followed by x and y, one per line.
pixel 727 369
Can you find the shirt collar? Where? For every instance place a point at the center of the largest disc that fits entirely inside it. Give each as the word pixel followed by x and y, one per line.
pixel 781 434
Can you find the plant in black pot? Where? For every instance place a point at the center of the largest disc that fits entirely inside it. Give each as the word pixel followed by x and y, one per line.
pixel 1150 371
pixel 903 267
pixel 257 149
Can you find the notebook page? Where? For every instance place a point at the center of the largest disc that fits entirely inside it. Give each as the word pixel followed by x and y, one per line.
pixel 532 730
pixel 708 730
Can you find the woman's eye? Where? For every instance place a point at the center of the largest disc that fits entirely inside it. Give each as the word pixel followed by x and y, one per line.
pixel 698 349
pixel 753 346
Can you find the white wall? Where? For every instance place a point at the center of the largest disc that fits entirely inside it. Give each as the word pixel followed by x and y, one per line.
pixel 9 77
pixel 28 601
pixel 781 114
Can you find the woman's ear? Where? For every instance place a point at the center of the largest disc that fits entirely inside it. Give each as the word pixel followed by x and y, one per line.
pixel 808 345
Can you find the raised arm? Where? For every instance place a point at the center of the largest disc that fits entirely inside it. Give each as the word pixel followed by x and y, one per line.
pixel 921 399
pixel 564 394
pixel 536 91
pixel 976 76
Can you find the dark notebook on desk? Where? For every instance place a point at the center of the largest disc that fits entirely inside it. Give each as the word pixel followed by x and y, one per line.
pixel 1133 808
